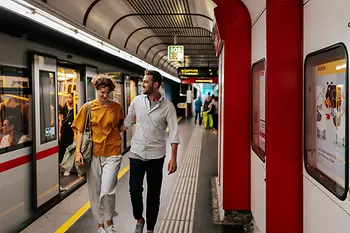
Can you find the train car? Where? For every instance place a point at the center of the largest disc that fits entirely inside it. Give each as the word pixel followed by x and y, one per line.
pixel 35 81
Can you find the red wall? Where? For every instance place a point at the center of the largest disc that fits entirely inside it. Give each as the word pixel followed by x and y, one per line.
pixel 284 112
pixel 234 25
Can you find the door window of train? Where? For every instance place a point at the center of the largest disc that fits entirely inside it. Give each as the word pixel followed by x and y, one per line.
pixel 258 134
pixel 118 93
pixel 47 106
pixel 15 105
pixel 326 118
pixel 91 92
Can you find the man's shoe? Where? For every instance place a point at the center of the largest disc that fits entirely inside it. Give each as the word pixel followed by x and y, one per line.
pixel 110 229
pixel 140 226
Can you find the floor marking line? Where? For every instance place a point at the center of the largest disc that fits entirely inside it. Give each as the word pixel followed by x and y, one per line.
pixel 184 194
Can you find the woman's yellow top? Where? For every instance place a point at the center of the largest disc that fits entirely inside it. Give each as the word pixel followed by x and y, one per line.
pixel 105 121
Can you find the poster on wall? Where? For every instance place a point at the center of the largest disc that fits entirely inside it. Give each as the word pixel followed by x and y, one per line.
pixel 331 118
pixel 262 134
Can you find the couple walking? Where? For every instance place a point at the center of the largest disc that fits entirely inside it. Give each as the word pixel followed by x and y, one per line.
pixel 153 115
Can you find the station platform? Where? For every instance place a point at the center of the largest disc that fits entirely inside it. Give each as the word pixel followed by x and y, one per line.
pixel 186 198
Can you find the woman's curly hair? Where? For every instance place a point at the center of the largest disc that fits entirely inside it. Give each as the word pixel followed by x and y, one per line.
pixel 101 81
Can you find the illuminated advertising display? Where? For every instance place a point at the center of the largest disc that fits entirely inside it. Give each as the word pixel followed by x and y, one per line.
pixel 331 114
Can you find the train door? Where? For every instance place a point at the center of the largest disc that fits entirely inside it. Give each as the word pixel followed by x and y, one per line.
pixel 45 138
pixel 71 96
pixel 90 72
pixel 130 94
pixel 118 96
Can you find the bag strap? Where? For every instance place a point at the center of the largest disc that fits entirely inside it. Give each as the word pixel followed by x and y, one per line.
pixel 87 118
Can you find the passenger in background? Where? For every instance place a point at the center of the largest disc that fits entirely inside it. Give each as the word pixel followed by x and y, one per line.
pixel 207 118
pixel 197 109
pixel 153 115
pixel 13 136
pixel 12 107
pixel 102 176
pixel 214 111
pixel 65 132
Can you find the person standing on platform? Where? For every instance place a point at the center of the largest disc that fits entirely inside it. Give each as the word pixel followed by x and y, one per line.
pixel 207 117
pixel 102 175
pixel 66 133
pixel 197 109
pixel 153 115
pixel 214 111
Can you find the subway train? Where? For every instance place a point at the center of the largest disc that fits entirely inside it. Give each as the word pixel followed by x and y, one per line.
pixel 35 81
pixel 326 44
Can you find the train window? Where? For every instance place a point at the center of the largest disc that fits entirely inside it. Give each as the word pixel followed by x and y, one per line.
pixel 47 106
pixel 258 133
pixel 91 92
pixel 326 118
pixel 15 105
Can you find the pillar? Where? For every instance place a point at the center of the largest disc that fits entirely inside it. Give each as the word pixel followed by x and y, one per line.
pixel 284 112
pixel 234 25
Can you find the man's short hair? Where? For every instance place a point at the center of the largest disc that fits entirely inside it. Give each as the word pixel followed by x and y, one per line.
pixel 156 77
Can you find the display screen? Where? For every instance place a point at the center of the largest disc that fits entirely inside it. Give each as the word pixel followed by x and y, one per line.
pixel 197 71
pixel 330 117
pixel 326 120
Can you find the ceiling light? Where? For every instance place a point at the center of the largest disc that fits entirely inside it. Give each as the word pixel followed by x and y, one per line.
pixel 27 10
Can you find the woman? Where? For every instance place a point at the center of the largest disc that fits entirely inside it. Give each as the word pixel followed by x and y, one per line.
pixel 66 133
pixel 12 135
pixel 214 111
pixel 102 176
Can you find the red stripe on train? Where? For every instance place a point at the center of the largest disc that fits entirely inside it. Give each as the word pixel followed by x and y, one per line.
pixel 14 163
pixel 8 165
pixel 46 153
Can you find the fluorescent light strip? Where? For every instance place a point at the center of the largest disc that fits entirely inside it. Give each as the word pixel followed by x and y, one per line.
pixel 27 10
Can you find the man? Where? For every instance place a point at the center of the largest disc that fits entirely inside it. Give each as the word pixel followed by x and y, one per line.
pixel 153 115
pixel 197 109
pixel 206 115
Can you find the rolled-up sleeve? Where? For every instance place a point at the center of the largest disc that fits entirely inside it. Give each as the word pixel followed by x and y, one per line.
pixel 79 121
pixel 131 115
pixel 173 125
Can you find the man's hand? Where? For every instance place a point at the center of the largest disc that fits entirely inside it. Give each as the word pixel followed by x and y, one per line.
pixel 172 166
pixel 122 128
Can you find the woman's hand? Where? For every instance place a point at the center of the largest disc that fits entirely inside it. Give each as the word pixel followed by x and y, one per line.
pixel 79 160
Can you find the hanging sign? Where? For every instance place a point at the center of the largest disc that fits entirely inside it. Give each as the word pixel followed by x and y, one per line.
pixel 199 72
pixel 176 53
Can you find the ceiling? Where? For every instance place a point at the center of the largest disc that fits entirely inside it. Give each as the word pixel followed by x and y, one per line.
pixel 146 27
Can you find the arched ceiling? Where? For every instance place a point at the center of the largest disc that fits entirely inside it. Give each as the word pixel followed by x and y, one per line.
pixel 147 27
pixel 256 8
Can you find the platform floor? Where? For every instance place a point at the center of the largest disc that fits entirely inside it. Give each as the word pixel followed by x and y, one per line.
pixel 186 199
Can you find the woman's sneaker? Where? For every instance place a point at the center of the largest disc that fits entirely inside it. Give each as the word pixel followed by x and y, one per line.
pixel 66 173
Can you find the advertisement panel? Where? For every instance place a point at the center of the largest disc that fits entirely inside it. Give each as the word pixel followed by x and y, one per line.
pixel 331 119
pixel 262 135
